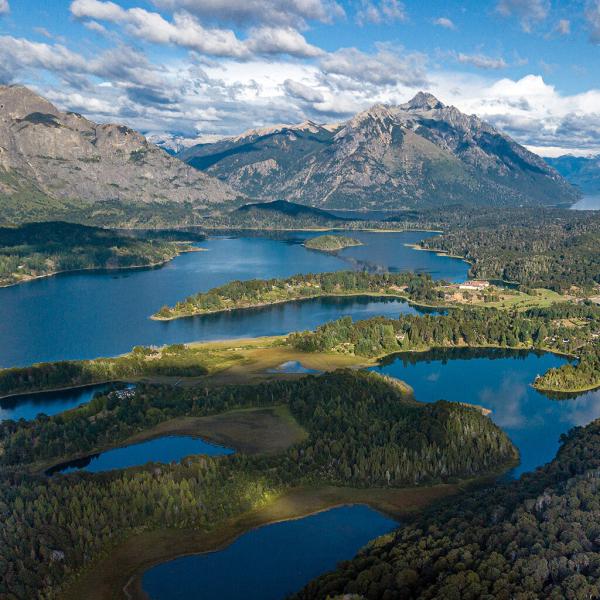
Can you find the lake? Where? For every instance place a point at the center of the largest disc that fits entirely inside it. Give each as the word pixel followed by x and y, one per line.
pixel 164 449
pixel 28 406
pixel 587 203
pixel 501 381
pixel 271 562
pixel 86 315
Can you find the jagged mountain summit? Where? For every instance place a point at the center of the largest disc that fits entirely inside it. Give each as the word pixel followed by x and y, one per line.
pixel 52 161
pixel 421 153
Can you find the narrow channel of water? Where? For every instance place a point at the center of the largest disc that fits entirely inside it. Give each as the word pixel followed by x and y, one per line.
pixel 163 449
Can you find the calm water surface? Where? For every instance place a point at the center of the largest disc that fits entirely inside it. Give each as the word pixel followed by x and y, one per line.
pixel 587 203
pixel 271 562
pixel 86 315
pixel 164 449
pixel 501 381
pixel 28 406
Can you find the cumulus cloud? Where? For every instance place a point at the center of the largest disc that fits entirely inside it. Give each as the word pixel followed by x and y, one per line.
pixel 444 22
pixel 384 11
pixel 4 7
pixel 388 66
pixel 252 12
pixel 186 31
pixel 481 61
pixel 529 12
pixel 298 90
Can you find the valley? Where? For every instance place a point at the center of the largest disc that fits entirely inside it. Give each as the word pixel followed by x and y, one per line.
pixel 312 360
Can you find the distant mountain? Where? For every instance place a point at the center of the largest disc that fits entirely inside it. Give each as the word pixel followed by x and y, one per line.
pixel 581 171
pixel 54 163
pixel 421 153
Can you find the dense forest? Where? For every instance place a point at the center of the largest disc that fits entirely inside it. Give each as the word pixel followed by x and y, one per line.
pixel 257 292
pixel 174 360
pixel 38 249
pixel 564 328
pixel 402 436
pixel 363 431
pixel 550 248
pixel 331 243
pixel 537 537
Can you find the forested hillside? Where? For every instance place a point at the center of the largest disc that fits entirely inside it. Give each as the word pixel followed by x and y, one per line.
pixel 532 538
pixel 363 430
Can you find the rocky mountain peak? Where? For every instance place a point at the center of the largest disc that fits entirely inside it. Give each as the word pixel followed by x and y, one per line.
pixel 17 101
pixel 423 101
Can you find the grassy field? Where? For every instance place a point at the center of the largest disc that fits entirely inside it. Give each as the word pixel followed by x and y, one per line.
pixel 250 431
pixel 136 554
pixel 507 299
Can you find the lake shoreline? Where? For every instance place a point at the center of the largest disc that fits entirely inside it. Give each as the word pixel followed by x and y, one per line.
pixel 149 266
pixel 139 552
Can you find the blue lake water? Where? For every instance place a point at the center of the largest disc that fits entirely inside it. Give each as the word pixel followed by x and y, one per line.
pixel 28 406
pixel 164 449
pixel 587 203
pixel 86 315
pixel 271 562
pixel 501 381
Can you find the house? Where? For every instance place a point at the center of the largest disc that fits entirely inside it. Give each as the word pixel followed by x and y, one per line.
pixel 474 284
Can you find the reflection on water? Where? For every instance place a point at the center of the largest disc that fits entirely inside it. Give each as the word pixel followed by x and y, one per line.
pixel 292 367
pixel 164 449
pixel 501 381
pixel 271 562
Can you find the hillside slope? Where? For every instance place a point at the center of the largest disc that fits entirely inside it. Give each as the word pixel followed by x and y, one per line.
pixel 52 162
pixel 421 153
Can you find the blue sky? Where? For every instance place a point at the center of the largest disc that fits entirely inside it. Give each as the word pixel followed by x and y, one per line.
pixel 202 68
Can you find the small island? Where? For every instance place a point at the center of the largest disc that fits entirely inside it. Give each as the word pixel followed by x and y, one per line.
pixel 331 243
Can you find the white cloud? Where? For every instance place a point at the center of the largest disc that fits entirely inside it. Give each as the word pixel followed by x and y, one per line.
pixel 444 22
pixel 4 7
pixel 186 31
pixel 384 11
pixel 529 12
pixel 592 16
pixel 390 65
pixel 563 27
pixel 251 12
pixel 298 90
pixel 280 40
pixel 481 61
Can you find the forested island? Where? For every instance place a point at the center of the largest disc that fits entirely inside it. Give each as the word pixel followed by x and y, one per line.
pixel 260 292
pixel 362 430
pixel 41 249
pixel 331 243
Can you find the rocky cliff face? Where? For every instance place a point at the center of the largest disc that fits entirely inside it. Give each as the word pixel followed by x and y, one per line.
pixel 51 160
pixel 420 153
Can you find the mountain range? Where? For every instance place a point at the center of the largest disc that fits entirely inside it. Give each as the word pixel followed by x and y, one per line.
pixel 60 165
pixel 418 154
pixel 582 171
pixel 53 162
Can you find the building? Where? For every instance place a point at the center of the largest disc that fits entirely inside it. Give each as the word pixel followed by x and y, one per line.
pixel 474 285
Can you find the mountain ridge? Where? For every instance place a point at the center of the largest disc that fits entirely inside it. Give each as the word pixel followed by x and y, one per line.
pixel 420 153
pixel 51 161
